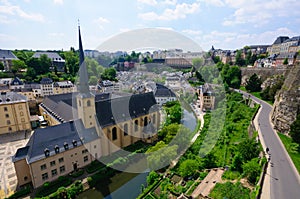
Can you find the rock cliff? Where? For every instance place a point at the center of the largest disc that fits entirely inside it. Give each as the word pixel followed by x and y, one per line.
pixel 287 102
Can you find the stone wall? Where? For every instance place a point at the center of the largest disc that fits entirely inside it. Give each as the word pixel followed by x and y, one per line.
pixel 287 102
pixel 263 73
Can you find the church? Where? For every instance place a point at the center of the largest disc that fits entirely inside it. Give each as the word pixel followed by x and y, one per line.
pixel 84 127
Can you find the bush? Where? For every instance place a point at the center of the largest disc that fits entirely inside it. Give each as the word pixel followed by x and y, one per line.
pixel 20 193
pixel 50 187
pixel 77 174
pixel 94 166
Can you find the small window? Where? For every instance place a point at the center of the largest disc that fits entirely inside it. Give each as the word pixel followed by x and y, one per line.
pixel 7 115
pixel 45 176
pixel 60 160
pixel 95 146
pixel 114 133
pixel 25 178
pixel 22 120
pixel 54 172
pixel 5 108
pixel 20 107
pixel 84 151
pixel 52 163
pixel 88 103
pixel 85 158
pixel 62 169
pixel 8 122
pixel 21 113
pixel 125 129
pixel 136 125
pixel 43 167
pixel 9 129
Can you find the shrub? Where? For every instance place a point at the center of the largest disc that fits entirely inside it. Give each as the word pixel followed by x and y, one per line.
pixel 20 193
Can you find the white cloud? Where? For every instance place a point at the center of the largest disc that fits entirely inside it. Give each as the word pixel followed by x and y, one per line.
pixel 260 12
pixel 101 21
pixel 58 2
pixel 233 40
pixel 148 2
pixel 169 2
pixel 217 3
pixel 8 9
pixel 192 32
pixel 179 12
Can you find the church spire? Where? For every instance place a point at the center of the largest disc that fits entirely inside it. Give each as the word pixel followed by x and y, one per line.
pixel 83 86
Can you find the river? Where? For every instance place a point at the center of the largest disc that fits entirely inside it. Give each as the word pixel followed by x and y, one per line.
pixel 128 185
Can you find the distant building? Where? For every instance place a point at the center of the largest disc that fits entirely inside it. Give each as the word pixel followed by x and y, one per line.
pixel 57 61
pixel 206 97
pixel 46 86
pixel 63 87
pixel 178 62
pixel 16 83
pixel 163 94
pixel 14 111
pixel 6 57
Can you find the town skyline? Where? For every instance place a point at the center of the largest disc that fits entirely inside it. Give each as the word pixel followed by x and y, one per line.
pixel 224 24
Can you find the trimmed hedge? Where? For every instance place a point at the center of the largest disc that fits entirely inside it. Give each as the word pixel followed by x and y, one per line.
pixel 53 186
pixel 20 193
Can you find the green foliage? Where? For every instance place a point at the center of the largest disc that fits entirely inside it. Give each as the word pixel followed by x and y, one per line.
pixel 239 59
pixel 197 62
pixel 231 75
pixel 17 65
pixel 253 84
pixel 109 74
pixel 230 191
pixel 231 175
pixel 77 174
pixel 237 162
pixel 188 168
pixel 270 92
pixel 168 132
pixel 51 187
pixel 72 61
pixel 23 192
pixel 248 149
pixel 252 170
pixel 152 177
pixel 1 66
pixel 174 112
pixel 285 61
pixel 295 130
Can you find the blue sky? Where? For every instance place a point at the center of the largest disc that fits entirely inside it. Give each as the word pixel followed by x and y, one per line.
pixel 226 24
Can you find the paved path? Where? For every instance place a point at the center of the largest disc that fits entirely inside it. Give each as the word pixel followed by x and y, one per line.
pixel 8 147
pixel 282 179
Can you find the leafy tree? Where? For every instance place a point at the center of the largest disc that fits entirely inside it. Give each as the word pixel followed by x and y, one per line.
pixel 237 162
pixel 188 168
pixel 252 170
pixel 152 177
pixel 209 161
pixel 229 190
pixel 93 80
pixel 45 64
pixel 30 74
pixel 285 61
pixel 1 66
pixel 248 149
pixel 197 62
pixel 72 61
pixel 238 59
pixel 232 75
pixel 109 74
pixel 253 84
pixel 168 132
pixel 295 130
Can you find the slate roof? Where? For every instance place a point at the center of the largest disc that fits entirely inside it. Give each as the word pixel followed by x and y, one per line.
pixel 112 111
pixel 8 97
pixel 50 137
pixel 52 55
pixel 297 38
pixel 63 84
pixel 163 91
pixel 46 80
pixel 33 86
pixel 7 54
pixel 16 81
pixel 280 39
pixel 286 55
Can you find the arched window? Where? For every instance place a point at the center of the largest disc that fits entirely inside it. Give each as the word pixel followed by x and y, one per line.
pixel 145 121
pixel 114 133
pixel 79 102
pixel 125 129
pixel 88 103
pixel 136 125
pixel 21 113
pixel 8 122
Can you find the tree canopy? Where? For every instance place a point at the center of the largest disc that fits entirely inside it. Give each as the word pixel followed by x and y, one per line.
pixel 253 84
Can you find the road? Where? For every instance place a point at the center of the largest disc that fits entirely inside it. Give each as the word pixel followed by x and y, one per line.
pixel 283 177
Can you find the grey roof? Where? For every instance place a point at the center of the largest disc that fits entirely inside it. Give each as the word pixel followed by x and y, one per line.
pixel 112 111
pixel 16 81
pixel 52 55
pixel 33 86
pixel 7 54
pixel 297 38
pixel 8 97
pixel 63 84
pixel 286 55
pixel 50 137
pixel 46 80
pixel 163 91
pixel 280 39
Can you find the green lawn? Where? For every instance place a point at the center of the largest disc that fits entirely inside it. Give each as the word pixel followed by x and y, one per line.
pixel 291 149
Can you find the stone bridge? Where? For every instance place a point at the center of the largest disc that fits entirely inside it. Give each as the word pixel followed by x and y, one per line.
pixel 263 73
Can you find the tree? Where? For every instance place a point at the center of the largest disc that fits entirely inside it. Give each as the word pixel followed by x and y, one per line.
pixel 152 177
pixel 252 170
pixel 237 162
pixel 45 64
pixel 232 75
pixel 285 61
pixel 248 149
pixel 295 130
pixel 197 62
pixel 253 84
pixel 109 74
pixel 238 59
pixel 188 168
pixel 72 61
pixel 1 66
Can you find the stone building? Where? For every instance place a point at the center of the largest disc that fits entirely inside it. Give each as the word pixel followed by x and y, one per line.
pixel 14 113
pixel 206 97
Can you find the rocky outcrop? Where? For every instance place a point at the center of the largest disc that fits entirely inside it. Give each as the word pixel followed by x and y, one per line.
pixel 287 102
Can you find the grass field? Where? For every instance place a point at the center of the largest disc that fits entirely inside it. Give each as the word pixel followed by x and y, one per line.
pixel 292 149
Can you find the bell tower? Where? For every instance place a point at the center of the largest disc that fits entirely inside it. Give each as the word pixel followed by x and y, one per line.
pixel 85 100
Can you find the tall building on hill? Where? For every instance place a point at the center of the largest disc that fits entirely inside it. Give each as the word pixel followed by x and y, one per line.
pixel 84 127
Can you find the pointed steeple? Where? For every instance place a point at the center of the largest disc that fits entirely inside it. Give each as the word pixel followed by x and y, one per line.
pixel 83 86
